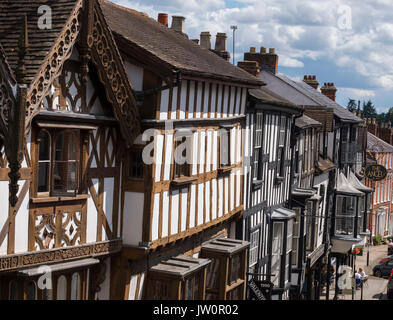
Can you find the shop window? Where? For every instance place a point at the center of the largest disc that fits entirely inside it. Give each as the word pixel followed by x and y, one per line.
pixel 229 282
pixel 58 162
pixel 75 286
pixel 61 288
pixel 14 290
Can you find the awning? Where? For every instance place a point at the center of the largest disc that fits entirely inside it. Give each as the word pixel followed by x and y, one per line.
pixel 300 192
pixel 35 271
pixel 354 181
pixel 282 214
pixel 344 187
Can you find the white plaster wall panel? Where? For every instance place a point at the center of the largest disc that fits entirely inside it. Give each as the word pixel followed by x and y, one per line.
pixel 239 148
pixel 191 100
pixel 226 208
pixel 206 101
pixel 135 74
pixel 202 153
pixel 238 188
pixel 133 284
pixel 156 217
pixel 104 293
pixel 164 104
pixel 4 203
pixel 174 102
pixel 184 195
pixel 219 101
pixel 175 212
pixel 183 100
pixel 200 204
pixel 330 144
pixel 214 100
pixel 94 162
pixel 91 223
pixel 22 223
pixel 109 186
pixel 207 201
pixel 232 192
pixel 233 148
pixel 238 101
pixel 158 154
pixel 110 151
pixel 168 157
pixel 165 214
pixel 215 150
pixel 192 206
pixel 247 143
pixel 133 218
pixel 214 199
pixel 245 187
pixel 232 103
pixel 199 101
pixel 209 139
pixel 220 198
pixel 243 103
pixel 195 153
pixel 225 102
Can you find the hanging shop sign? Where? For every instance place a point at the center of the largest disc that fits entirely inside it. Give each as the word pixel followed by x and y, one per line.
pixel 260 290
pixel 376 172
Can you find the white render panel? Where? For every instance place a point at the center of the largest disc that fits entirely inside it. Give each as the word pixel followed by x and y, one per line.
pixel 243 103
pixel 191 99
pixel 238 101
pixel 165 214
pixel 195 152
pixel 184 209
pixel 22 223
pixel 156 217
pixel 206 101
pixel 232 193
pixel 214 99
pixel 192 206
pixel 214 199
pixel 94 162
pixel 168 157
pixel 175 212
pixel 226 209
pixel 174 102
pixel 109 186
pixel 209 150
pixel 219 101
pixel 133 218
pixel 135 75
pixel 91 223
pixel 238 188
pixel 233 145
pixel 215 150
pixel 232 103
pixel 200 204
pixel 164 104
pixel 207 201
pixel 239 145
pixel 199 101
pixel 220 198
pixel 183 100
pixel 158 155
pixel 202 153
pixel 225 105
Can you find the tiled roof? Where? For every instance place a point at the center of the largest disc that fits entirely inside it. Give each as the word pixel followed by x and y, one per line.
pixel 375 144
pixel 169 47
pixel 306 122
pixel 266 96
pixel 40 41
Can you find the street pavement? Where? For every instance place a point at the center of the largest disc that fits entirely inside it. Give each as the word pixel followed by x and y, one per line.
pixel 375 288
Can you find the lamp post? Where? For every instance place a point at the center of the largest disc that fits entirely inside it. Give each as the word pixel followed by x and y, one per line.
pixel 234 28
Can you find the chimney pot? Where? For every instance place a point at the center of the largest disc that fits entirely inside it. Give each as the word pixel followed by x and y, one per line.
pixel 314 77
pixel 163 19
pixel 272 51
pixel 253 50
pixel 311 81
pixel 178 24
pixel 263 50
pixel 206 40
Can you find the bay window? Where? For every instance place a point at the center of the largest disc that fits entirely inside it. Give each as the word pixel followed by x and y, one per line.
pixel 345 215
pixel 278 230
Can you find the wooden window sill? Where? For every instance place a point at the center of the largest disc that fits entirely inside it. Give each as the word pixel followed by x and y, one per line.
pixel 183 181
pixel 235 285
pixel 59 198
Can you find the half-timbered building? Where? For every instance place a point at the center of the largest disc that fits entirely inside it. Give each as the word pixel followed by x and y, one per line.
pixel 67 114
pixel 183 186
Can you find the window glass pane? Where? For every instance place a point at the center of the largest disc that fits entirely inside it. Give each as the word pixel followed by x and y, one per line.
pixel 62 288
pixel 136 165
pixel 14 290
pixel 44 162
pixel 345 214
pixel 254 246
pixel 276 251
pixel 66 164
pixel 224 147
pixel 31 291
pixel 75 287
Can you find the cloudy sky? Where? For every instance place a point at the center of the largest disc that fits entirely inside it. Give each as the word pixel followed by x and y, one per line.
pixel 348 42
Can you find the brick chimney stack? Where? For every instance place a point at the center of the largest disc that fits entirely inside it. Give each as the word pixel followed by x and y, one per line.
pixel 385 132
pixel 221 46
pixel 206 40
pixel 311 81
pixel 163 19
pixel 267 61
pixel 251 67
pixel 372 126
pixel 329 90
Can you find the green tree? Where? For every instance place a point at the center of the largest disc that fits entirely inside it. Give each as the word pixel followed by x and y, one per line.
pixel 352 106
pixel 369 110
